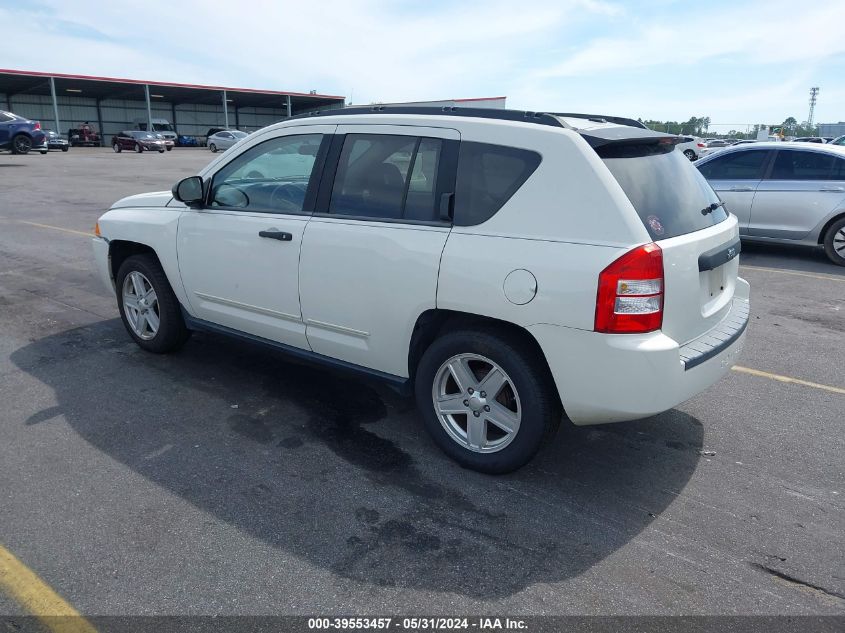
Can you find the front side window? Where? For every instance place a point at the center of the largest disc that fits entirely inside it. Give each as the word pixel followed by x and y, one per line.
pixel 745 165
pixel 488 175
pixel 271 177
pixel 797 165
pixel 387 176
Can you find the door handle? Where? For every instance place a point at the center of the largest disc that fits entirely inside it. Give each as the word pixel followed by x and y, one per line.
pixel 833 189
pixel 741 189
pixel 273 234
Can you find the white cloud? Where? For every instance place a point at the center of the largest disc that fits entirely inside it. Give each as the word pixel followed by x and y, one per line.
pixel 751 35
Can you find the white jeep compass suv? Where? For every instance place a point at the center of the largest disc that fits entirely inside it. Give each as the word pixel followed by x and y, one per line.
pixel 508 267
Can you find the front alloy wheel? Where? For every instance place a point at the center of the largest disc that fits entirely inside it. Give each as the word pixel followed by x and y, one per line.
pixel 140 305
pixel 477 403
pixel 834 242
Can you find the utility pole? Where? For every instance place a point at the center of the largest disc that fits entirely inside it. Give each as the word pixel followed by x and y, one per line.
pixel 814 91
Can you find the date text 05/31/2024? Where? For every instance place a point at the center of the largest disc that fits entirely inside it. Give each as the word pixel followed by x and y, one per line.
pixel 418 623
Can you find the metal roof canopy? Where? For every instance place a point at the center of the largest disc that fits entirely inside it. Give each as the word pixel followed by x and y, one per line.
pixel 14 82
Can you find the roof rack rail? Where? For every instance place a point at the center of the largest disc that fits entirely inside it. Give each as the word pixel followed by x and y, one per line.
pixel 541 118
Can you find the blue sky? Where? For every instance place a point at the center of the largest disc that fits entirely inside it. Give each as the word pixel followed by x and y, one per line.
pixel 740 62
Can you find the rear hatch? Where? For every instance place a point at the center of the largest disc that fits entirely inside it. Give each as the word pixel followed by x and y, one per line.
pixel 680 211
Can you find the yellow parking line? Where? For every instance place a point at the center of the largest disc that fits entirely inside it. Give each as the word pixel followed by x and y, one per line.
pixel 794 272
pixel 34 595
pixel 56 228
pixel 796 381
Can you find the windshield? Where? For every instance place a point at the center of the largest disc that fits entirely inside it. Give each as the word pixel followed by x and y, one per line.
pixel 162 127
pixel 668 193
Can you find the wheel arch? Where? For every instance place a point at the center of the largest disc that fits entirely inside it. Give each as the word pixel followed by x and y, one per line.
pixel 435 322
pixel 835 218
pixel 121 250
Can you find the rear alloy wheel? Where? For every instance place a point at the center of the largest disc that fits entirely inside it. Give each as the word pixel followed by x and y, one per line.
pixel 138 148
pixel 169 148
pixel 116 148
pixel 213 148
pixel 834 242
pixel 149 309
pixel 486 399
pixel 689 154
pixel 21 144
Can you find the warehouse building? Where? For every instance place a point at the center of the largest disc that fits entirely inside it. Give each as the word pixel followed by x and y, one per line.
pixel 62 102
pixel 832 129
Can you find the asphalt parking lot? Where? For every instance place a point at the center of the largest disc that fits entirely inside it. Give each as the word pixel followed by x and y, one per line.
pixel 227 479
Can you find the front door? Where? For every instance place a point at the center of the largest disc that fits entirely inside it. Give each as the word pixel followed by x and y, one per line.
pixel 803 187
pixel 239 255
pixel 735 177
pixel 371 252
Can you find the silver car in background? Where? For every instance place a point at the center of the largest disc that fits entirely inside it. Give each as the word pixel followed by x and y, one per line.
pixel 786 193
pixel 224 139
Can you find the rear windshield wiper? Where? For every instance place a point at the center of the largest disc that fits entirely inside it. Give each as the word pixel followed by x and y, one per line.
pixel 711 208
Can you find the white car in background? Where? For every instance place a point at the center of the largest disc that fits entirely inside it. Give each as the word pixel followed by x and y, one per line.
pixel 505 267
pixel 691 147
pixel 224 139
pixel 712 146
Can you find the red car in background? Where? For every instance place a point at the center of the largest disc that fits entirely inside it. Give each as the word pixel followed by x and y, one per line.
pixel 137 140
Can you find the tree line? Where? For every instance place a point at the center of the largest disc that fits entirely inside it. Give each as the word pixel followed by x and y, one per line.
pixel 698 126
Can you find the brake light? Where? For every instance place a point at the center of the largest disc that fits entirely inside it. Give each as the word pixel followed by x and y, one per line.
pixel 630 294
pixel 37 125
pixel 701 144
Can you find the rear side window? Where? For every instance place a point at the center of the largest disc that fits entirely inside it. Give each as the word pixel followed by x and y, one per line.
pixel 745 165
pixel 668 193
pixel 387 177
pixel 488 175
pixel 797 165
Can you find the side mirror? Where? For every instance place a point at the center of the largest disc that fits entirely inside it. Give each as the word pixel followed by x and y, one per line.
pixel 189 191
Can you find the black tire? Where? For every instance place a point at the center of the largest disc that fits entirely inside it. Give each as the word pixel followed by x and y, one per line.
pixel 117 148
pixel 64 149
pixel 139 148
pixel 541 410
pixel 21 144
pixel 172 333
pixel 213 148
pixel 690 154
pixel 161 151
pixel 835 238
pixel 169 148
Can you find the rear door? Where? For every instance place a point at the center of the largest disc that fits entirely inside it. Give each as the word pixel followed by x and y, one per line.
pixel 735 176
pixel 801 189
pixel 699 240
pixel 371 251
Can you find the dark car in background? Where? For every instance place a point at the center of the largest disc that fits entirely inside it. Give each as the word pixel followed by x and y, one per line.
pixel 21 135
pixel 55 141
pixel 137 140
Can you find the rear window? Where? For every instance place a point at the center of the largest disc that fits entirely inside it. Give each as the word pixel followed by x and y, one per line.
pixel 667 192
pixel 488 175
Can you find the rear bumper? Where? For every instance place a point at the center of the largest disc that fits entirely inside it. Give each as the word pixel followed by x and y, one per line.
pixel 605 378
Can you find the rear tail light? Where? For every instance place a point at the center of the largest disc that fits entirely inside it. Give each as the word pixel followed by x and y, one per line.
pixel 630 294
pixel 37 125
pixel 701 144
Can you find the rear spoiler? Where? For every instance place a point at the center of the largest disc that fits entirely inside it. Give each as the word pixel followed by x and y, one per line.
pixel 602 118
